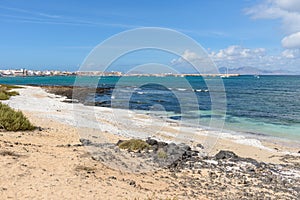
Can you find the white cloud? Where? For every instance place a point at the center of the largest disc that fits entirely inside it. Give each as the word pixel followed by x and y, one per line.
pixel 288 11
pixel 290 5
pixel 291 53
pixel 237 52
pixel 29 16
pixel 188 56
pixel 291 41
pixel 237 56
pixel 194 62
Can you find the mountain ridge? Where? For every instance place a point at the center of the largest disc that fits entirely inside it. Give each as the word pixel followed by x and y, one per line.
pixel 254 70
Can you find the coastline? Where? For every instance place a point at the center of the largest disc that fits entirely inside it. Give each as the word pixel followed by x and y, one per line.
pixel 52 162
pixel 46 105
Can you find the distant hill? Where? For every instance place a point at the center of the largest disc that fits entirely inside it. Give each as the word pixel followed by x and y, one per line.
pixel 253 70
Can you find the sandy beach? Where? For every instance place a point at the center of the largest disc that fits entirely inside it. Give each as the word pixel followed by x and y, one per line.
pixel 52 163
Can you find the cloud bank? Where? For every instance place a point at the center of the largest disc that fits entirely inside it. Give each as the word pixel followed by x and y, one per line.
pixel 288 11
pixel 237 56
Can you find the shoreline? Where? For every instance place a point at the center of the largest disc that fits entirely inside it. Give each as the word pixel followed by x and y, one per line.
pixel 64 112
pixel 238 135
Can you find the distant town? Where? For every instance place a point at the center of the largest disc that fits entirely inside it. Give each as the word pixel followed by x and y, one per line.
pixel 25 72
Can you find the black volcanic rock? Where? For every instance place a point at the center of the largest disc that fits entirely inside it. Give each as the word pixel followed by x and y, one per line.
pixel 85 142
pixel 77 94
pixel 119 142
pixel 246 177
pixel 200 146
pixel 225 155
pixel 151 141
pixel 162 144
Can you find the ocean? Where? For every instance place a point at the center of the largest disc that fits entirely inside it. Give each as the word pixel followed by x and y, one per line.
pixel 268 105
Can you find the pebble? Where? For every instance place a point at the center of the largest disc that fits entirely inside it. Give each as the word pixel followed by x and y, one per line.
pixel 132 183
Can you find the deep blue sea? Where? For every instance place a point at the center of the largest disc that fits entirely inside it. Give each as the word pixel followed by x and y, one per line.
pixel 268 105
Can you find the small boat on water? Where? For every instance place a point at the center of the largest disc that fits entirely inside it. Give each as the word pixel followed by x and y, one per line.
pixel 256 76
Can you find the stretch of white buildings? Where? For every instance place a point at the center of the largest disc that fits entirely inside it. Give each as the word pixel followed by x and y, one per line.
pixel 25 72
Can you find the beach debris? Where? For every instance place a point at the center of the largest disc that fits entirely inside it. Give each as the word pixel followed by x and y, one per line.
pixel 87 169
pixel 9 153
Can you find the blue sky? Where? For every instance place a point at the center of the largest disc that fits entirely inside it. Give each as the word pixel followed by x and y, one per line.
pixel 60 33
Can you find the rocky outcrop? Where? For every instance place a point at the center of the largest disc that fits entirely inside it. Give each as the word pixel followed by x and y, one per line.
pixel 225 174
pixel 77 94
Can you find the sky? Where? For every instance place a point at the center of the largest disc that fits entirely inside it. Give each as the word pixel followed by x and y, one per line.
pixel 59 34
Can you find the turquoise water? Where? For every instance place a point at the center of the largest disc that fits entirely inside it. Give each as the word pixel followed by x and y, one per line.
pixel 269 105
